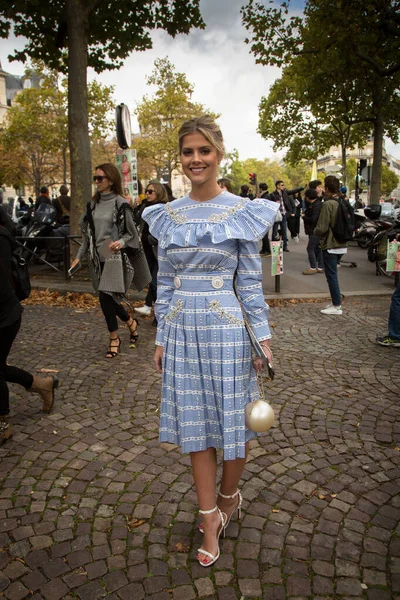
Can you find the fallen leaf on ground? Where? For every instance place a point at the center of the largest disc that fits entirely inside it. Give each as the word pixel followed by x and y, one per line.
pixel 78 300
pixel 134 523
pixel 179 547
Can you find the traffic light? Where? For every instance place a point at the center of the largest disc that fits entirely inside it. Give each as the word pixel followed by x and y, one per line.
pixel 363 163
pixel 252 178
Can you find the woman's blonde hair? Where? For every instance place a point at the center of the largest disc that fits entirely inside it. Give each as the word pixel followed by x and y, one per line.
pixel 207 127
pixel 161 193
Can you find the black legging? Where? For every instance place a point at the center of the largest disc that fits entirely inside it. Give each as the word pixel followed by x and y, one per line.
pixel 112 310
pixel 7 373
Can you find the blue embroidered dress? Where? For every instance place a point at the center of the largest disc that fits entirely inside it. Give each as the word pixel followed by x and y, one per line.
pixel 208 375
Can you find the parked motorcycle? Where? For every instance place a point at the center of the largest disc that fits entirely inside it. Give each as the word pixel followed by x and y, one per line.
pixel 40 225
pixel 365 233
pixel 385 230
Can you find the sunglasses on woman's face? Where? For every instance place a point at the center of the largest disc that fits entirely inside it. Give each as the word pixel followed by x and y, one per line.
pixel 149 191
pixel 97 178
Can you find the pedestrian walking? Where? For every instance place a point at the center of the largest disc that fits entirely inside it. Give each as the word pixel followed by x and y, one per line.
pixel 110 242
pixel 310 218
pixel 287 209
pixel 202 348
pixel 155 194
pixel 332 249
pixel 266 246
pixel 392 339
pixel 10 322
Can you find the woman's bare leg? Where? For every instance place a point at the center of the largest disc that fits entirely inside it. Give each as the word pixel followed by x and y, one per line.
pixel 204 466
pixel 231 473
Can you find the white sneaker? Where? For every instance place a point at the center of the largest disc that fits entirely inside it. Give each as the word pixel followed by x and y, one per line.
pixel 144 310
pixel 332 310
pixel 296 239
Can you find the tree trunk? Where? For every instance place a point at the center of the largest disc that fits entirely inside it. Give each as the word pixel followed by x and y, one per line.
pixel 65 168
pixel 376 177
pixel 344 161
pixel 78 128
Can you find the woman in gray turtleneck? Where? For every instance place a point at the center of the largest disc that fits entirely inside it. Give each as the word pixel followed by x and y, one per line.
pixel 110 217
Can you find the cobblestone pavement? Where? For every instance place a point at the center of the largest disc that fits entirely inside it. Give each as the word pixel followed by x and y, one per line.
pixel 92 506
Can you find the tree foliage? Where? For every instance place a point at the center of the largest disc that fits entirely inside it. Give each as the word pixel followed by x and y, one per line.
pixel 268 171
pixel 346 43
pixel 305 121
pixel 390 181
pixel 160 117
pixel 70 35
pixel 34 142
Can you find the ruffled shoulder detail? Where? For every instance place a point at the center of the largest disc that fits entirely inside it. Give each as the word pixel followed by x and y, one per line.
pixel 247 220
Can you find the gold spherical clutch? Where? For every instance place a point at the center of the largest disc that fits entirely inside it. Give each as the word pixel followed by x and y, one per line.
pixel 259 416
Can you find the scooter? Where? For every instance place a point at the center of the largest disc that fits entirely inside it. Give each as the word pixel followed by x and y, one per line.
pixel 41 225
pixel 385 230
pixel 365 233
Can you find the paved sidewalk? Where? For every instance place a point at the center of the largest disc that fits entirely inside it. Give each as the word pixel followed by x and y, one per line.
pixel 92 506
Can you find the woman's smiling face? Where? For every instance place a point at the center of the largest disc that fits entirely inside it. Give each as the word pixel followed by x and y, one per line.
pixel 199 158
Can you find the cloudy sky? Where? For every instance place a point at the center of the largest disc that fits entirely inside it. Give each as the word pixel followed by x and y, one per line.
pixel 216 60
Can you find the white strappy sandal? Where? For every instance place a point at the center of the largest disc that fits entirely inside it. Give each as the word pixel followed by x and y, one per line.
pixel 213 558
pixel 238 508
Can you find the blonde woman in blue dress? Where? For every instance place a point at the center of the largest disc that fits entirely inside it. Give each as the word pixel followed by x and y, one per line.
pixel 202 348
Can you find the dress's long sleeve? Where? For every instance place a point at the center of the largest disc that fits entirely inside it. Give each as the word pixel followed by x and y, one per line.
pixel 165 290
pixel 249 289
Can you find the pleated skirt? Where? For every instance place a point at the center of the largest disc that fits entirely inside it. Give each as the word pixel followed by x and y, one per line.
pixel 208 375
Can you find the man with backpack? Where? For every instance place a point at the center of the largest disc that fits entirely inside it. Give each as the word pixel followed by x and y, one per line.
pixel 335 227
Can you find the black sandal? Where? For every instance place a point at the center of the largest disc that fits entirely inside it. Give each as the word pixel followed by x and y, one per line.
pixel 134 336
pixel 111 353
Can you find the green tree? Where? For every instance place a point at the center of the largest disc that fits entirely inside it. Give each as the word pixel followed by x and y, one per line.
pixel 70 35
pixel 35 137
pixel 351 42
pixel 297 116
pixel 390 181
pixel 268 171
pixel 161 115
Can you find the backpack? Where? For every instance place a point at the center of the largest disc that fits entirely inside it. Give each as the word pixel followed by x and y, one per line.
pixel 343 230
pixel 20 280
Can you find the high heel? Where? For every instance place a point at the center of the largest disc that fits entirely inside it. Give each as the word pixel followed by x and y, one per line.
pixel 134 336
pixel 238 508
pixel 113 353
pixel 212 558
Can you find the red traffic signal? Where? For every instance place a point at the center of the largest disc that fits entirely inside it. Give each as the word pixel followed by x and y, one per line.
pixel 252 178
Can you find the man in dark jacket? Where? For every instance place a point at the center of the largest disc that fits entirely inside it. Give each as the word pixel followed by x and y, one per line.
pixel 310 218
pixel 43 198
pixel 287 208
pixel 266 247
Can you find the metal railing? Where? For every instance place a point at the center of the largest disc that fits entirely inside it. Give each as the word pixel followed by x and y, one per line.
pixel 66 250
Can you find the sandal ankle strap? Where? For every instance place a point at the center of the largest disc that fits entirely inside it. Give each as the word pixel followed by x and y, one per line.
pixel 209 512
pixel 229 497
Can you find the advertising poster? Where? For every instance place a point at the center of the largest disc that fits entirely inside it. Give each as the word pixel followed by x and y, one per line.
pixel 277 258
pixel 393 257
pixel 126 163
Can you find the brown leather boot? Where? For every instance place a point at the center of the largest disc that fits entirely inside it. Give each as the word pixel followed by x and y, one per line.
pixel 5 429
pixel 45 386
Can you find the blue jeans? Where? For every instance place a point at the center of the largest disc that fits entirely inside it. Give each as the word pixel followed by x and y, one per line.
pixel 314 252
pixel 394 315
pixel 330 265
pixel 283 227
